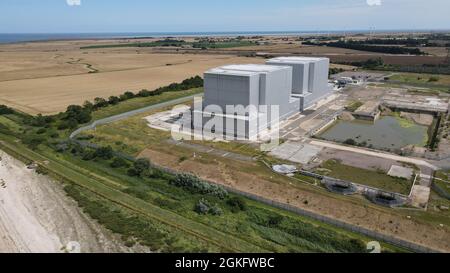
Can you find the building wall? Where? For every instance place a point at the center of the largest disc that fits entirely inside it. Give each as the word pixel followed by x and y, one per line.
pixel 277 91
pixel 318 78
pixel 223 90
pixel 300 76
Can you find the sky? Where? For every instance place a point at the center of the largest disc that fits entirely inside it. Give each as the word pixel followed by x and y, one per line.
pixel 67 16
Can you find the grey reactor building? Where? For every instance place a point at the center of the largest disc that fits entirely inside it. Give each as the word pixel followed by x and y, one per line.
pixel 292 83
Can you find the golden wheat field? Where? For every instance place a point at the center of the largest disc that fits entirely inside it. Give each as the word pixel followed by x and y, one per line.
pixel 47 77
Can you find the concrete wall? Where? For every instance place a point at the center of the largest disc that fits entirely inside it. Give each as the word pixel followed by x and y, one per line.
pixel 310 78
pixel 300 75
pixel 225 90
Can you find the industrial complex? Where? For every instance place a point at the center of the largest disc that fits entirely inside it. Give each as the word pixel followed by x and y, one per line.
pixel 266 94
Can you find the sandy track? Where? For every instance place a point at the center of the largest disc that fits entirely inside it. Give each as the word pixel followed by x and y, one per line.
pixel 36 216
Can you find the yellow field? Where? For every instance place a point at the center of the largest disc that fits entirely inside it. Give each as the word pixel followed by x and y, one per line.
pixel 47 77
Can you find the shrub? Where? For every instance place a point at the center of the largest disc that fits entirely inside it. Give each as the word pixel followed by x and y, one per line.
pixel 40 170
pixel 142 165
pixel 237 204
pixel 41 131
pixel 88 155
pixel 195 185
pixel 32 141
pixel 433 79
pixel 119 162
pixel 204 207
pixel 104 152
pixel 133 172
pixel 113 100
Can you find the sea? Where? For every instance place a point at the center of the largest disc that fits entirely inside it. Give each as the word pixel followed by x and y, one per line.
pixel 33 37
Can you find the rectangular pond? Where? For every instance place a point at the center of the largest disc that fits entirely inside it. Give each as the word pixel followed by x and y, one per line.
pixel 386 133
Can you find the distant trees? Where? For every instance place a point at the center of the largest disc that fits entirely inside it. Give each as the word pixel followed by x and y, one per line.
pixel 365 46
pixel 113 100
pixel 194 82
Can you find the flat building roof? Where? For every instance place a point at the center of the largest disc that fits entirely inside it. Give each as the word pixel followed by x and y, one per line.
pixel 244 69
pixel 302 60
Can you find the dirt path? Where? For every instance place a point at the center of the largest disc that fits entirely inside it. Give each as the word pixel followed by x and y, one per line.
pixel 36 216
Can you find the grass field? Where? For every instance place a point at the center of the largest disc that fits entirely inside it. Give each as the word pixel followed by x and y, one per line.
pixel 414 78
pixel 137 103
pixel 366 177
pixel 165 211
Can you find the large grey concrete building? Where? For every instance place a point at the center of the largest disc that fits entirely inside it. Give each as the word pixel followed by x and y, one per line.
pixel 291 83
pixel 309 78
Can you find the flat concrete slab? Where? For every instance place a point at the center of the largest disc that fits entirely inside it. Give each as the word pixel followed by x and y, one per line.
pixel 401 172
pixel 420 196
pixel 296 152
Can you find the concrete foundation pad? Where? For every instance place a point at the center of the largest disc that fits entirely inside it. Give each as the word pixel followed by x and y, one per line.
pixel 401 172
pixel 296 152
pixel 420 196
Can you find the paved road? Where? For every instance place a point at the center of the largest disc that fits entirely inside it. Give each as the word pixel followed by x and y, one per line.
pixel 130 114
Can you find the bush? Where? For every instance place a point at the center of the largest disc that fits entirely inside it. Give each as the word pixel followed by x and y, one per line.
pixel 133 172
pixel 68 124
pixel 113 100
pixel 78 113
pixel 40 170
pixel 141 166
pixel 88 155
pixel 204 207
pixel 41 131
pixel 195 185
pixel 32 141
pixel 237 204
pixel 433 79
pixel 104 152
pixel 119 162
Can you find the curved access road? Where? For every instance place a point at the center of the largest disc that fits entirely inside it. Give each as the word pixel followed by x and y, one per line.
pixel 128 114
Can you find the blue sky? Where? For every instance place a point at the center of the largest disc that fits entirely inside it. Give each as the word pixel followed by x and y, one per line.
pixel 57 16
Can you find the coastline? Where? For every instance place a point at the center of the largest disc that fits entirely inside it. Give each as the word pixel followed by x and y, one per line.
pixel 56 37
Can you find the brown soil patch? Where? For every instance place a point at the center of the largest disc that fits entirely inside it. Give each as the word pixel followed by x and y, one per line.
pixel 279 189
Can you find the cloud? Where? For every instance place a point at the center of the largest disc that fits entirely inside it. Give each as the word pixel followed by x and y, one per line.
pixel 73 2
pixel 374 2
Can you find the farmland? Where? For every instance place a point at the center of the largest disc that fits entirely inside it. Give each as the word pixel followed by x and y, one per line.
pixel 152 211
pixel 41 81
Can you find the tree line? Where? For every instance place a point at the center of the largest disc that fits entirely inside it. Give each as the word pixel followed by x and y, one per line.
pixel 362 46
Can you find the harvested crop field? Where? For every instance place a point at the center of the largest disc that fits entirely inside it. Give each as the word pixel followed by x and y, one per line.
pixel 37 79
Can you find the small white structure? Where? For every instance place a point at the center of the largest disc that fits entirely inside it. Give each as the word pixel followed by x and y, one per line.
pixel 284 169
